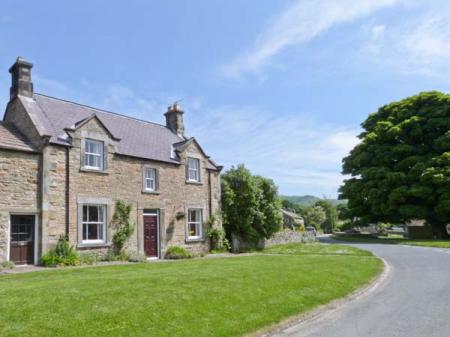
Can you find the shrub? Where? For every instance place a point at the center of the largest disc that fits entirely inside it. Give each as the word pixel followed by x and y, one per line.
pixel 8 265
pixel 176 252
pixel 109 256
pixel 301 228
pixel 123 225
pixel 63 254
pixel 347 225
pixel 251 208
pixel 218 240
pixel 88 258
pixel 123 256
pixel 136 257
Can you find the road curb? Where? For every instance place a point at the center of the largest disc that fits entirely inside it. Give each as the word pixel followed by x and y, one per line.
pixel 288 326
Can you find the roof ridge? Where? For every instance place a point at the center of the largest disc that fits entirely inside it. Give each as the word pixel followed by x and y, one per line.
pixel 102 110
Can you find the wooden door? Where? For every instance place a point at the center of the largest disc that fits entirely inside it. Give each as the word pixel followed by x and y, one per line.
pixel 151 235
pixel 22 239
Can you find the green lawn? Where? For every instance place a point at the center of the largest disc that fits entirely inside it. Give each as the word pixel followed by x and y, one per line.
pixel 395 240
pixel 201 297
pixel 316 249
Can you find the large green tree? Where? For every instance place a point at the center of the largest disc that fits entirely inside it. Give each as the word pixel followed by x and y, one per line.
pixel 251 207
pixel 400 170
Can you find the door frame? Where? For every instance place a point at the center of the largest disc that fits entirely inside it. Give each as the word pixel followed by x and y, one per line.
pixel 155 212
pixel 35 239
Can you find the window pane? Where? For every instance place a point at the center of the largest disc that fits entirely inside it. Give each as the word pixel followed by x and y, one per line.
pixel 100 231
pixel 93 232
pixel 85 213
pixel 93 214
pixel 85 231
pixel 96 161
pixel 150 173
pixel 101 213
pixel 192 229
pixel 150 184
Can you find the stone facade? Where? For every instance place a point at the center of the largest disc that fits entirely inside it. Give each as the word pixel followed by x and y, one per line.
pixel 123 180
pixel 19 186
pixel 66 185
pixel 52 182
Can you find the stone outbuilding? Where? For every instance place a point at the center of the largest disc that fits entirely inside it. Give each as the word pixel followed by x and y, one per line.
pixel 64 165
pixel 292 220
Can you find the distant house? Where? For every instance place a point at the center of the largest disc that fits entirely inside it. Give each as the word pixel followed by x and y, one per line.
pixel 63 166
pixel 292 220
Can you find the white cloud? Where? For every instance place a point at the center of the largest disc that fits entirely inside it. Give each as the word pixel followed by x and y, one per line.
pixel 416 46
pixel 301 154
pixel 427 46
pixel 299 23
pixel 124 100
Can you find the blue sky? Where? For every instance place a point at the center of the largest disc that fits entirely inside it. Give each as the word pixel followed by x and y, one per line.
pixel 281 86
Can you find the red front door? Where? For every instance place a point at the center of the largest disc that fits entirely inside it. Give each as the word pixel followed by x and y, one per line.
pixel 151 235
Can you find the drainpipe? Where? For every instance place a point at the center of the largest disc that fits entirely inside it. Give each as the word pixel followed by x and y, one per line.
pixel 67 191
pixel 209 193
pixel 45 189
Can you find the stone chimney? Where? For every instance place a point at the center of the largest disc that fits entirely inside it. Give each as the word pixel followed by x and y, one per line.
pixel 21 79
pixel 174 119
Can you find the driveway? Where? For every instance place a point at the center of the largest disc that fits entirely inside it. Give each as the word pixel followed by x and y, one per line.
pixel 414 300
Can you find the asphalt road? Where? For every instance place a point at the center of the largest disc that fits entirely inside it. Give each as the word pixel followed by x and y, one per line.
pixel 413 301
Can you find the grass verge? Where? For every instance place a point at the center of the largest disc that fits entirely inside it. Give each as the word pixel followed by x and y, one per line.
pixel 202 297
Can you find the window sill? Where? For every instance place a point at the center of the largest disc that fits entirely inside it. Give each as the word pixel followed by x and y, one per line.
pixel 84 169
pixel 151 192
pixel 194 182
pixel 193 240
pixel 94 245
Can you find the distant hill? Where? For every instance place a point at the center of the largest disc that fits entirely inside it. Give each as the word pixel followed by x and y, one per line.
pixel 308 200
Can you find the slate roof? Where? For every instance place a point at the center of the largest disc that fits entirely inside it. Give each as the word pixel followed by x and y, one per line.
pixel 11 138
pixel 291 214
pixel 138 138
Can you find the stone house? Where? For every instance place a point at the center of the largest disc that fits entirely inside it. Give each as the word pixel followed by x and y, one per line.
pixel 63 166
pixel 292 220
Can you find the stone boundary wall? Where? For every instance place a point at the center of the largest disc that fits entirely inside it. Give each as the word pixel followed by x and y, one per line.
pixel 281 237
pixel 289 236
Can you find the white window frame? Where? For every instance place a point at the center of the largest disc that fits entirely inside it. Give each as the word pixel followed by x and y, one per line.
pixel 94 154
pixel 100 222
pixel 153 179
pixel 194 170
pixel 198 223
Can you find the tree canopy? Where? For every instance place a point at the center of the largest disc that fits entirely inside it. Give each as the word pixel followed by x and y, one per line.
pixel 314 216
pixel 251 207
pixel 400 170
pixel 331 215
